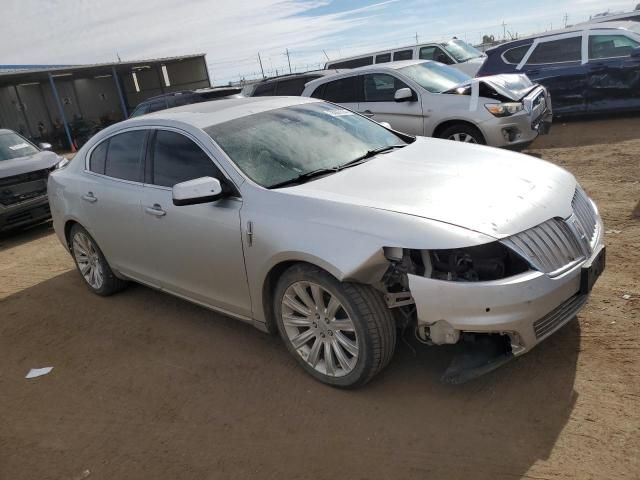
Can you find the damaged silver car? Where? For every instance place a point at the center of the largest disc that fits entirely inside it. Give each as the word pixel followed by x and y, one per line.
pixel 301 217
pixel 427 98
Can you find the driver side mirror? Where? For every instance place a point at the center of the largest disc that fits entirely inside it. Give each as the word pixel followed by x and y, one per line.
pixel 45 146
pixel 200 190
pixel 635 53
pixel 403 95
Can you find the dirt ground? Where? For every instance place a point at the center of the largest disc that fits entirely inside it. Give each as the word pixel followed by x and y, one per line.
pixel 146 386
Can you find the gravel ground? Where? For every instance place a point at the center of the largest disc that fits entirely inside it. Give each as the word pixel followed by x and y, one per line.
pixel 146 386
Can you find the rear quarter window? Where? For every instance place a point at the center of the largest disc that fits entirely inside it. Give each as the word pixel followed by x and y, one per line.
pixel 98 158
pixel 515 55
pixel 355 63
pixel 266 89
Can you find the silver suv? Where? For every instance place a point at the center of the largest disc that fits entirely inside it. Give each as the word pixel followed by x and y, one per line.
pixel 430 99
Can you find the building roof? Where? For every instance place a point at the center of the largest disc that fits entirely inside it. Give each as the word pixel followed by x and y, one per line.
pixel 34 73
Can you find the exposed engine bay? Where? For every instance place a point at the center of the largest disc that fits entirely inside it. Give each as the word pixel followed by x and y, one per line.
pixel 492 261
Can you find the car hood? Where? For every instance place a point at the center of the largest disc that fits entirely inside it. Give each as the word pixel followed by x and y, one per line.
pixel 491 191
pixel 510 86
pixel 29 163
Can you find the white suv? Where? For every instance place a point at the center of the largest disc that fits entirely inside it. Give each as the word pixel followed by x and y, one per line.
pixel 430 99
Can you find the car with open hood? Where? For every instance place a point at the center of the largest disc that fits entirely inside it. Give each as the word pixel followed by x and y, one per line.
pixel 304 218
pixel 24 169
pixel 430 99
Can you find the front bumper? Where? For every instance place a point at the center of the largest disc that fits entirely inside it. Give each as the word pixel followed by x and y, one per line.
pixel 23 214
pixel 520 130
pixel 528 307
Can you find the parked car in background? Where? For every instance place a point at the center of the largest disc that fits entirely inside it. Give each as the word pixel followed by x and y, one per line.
pixel 299 216
pixel 24 169
pixel 590 68
pixel 455 52
pixel 422 97
pixel 183 97
pixel 285 85
pixel 633 16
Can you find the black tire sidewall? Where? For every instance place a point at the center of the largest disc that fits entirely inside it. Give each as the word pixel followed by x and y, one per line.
pixel 365 363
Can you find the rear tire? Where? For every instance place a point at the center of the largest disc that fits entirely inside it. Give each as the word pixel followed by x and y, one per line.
pixel 342 334
pixel 461 132
pixel 91 264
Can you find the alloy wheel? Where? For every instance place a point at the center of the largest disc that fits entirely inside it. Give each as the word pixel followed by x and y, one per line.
pixel 320 329
pixel 88 260
pixel 462 137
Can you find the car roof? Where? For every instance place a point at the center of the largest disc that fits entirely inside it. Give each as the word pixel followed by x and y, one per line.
pixel 206 114
pixel 625 25
pixel 377 66
pixel 290 76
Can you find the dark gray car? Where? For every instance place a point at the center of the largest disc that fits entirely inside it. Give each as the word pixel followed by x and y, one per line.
pixel 24 170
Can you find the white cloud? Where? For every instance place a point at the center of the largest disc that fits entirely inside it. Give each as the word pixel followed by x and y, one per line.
pixel 232 32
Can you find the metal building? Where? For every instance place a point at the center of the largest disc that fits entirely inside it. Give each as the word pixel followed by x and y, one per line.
pixel 58 104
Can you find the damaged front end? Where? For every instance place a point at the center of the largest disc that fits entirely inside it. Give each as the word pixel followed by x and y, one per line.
pixel 483 351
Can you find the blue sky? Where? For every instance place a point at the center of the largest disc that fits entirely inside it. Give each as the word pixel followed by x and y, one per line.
pixel 232 32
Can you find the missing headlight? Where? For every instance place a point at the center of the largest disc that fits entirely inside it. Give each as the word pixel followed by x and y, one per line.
pixel 491 261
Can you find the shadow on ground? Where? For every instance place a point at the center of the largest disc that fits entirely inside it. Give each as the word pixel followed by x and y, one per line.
pixel 148 386
pixel 14 238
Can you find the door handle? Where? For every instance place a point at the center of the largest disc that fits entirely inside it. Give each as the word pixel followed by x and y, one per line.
pixel 155 210
pixel 368 113
pixel 89 197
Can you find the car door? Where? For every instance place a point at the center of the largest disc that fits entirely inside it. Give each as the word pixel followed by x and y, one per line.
pixel 194 251
pixel 614 74
pixel 378 103
pixel 557 63
pixel 111 198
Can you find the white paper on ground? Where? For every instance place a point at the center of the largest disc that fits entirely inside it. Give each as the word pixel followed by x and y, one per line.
pixel 38 372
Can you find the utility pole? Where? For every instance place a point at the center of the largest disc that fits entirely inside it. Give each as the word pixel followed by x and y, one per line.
pixel 504 30
pixel 288 59
pixel 417 38
pixel 566 19
pixel 325 54
pixel 261 69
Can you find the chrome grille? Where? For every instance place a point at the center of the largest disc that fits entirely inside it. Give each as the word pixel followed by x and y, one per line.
pixel 558 316
pixel 556 245
pixel 585 215
pixel 550 247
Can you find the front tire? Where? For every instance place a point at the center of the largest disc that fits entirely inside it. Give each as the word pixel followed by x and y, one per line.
pixel 342 334
pixel 91 264
pixel 463 133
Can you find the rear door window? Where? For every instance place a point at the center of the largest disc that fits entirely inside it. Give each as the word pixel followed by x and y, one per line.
pixel 402 55
pixel 381 87
pixel 557 51
pixel 343 90
pixel 125 154
pixel 610 46
pixel 177 159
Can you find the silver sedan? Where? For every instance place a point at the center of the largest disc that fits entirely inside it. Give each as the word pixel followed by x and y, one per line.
pixel 301 217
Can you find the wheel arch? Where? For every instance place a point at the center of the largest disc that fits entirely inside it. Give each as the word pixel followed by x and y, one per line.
pixel 275 272
pixel 441 127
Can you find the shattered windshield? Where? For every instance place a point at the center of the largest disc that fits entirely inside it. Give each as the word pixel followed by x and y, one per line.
pixel 461 51
pixel 13 146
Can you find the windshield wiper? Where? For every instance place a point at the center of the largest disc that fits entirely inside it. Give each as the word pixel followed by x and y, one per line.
pixel 327 171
